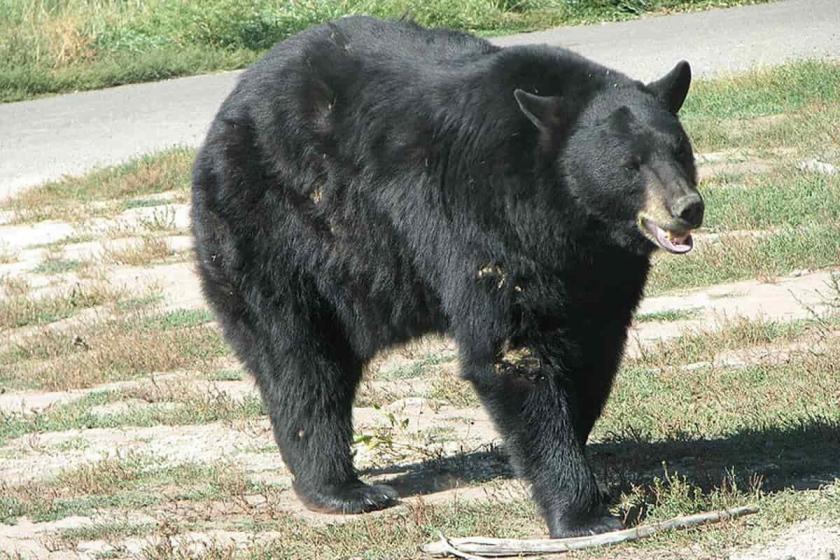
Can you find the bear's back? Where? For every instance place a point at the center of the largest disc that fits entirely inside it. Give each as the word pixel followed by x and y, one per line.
pixel 339 103
pixel 376 45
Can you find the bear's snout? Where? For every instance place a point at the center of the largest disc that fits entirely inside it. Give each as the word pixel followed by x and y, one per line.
pixel 689 209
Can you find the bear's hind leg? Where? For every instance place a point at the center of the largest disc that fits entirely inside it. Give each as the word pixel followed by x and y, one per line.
pixel 308 382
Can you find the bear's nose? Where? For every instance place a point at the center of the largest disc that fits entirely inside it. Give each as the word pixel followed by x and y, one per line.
pixel 689 209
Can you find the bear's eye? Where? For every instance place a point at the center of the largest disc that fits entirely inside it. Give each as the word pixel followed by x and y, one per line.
pixel 633 164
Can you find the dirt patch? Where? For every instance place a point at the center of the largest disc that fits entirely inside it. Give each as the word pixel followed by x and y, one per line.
pixel 804 541
pixel 31 540
pixel 35 457
pixel 177 282
pixel 789 298
pixel 712 165
pixel 26 235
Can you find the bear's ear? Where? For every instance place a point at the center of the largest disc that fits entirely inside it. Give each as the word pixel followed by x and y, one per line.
pixel 542 111
pixel 673 87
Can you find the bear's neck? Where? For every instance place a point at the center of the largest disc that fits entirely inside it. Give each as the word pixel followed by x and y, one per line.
pixel 577 252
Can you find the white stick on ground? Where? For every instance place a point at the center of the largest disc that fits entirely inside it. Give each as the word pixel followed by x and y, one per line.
pixel 476 548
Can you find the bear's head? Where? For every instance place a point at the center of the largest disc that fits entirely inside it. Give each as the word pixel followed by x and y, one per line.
pixel 627 161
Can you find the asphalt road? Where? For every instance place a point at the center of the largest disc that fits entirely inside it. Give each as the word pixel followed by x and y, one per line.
pixel 70 134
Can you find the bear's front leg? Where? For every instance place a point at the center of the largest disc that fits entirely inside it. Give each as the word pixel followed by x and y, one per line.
pixel 536 415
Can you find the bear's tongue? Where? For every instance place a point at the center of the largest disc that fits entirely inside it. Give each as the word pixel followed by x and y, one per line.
pixel 672 242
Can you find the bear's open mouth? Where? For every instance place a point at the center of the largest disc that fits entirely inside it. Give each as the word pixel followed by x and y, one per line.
pixel 671 240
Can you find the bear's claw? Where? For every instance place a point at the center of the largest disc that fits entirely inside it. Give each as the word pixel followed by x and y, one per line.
pixel 353 497
pixel 598 525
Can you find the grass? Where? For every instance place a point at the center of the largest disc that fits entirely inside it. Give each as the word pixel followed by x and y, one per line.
pixel 714 402
pixel 161 220
pixel 59 244
pixel 417 367
pixel 102 192
pixel 24 309
pixel 143 203
pixel 129 481
pixel 107 350
pixel 53 262
pixel 761 93
pixel 7 254
pixel 785 198
pixel 789 107
pixel 56 47
pixel 104 530
pixel 668 315
pixel 736 257
pixel 693 346
pixel 14 286
pixel 226 374
pixel 60 497
pixel 152 297
pixel 163 405
pixel 147 251
pixel 176 319
pixel 447 386
pixel 396 536
pixel 374 395
pixel 57 266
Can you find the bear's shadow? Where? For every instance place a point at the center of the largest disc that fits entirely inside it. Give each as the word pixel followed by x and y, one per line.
pixel 803 457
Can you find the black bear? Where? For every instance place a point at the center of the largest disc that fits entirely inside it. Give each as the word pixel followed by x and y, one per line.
pixel 367 182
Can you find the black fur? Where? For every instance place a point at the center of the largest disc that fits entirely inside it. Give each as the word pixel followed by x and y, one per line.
pixel 368 182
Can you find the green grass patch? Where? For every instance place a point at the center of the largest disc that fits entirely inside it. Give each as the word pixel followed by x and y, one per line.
pixel 178 318
pixel 167 407
pixel 783 89
pixel 417 368
pixel 53 47
pixel 143 203
pixel 786 198
pixel 152 298
pixel 128 482
pixel 786 106
pixel 737 257
pixel 226 375
pixel 668 315
pixel 673 493
pixel 79 491
pixel 121 348
pixel 107 531
pixel 784 115
pixel 693 346
pixel 57 266
pixel 103 192
pixel 711 403
pixel 24 309
pixel 73 444
pixel 143 252
pixel 77 237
